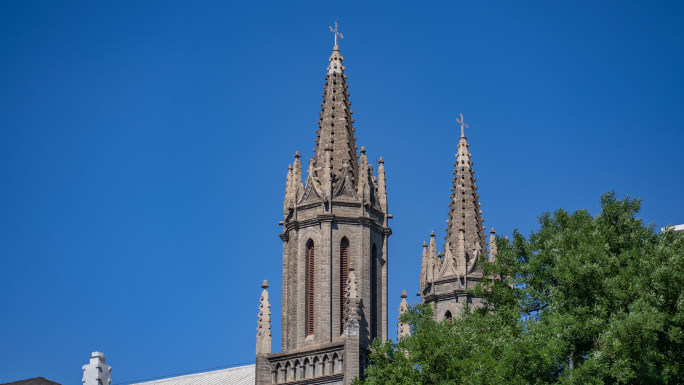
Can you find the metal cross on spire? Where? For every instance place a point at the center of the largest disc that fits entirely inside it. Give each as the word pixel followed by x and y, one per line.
pixel 336 33
pixel 463 124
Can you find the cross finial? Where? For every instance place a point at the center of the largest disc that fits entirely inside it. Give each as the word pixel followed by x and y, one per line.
pixel 336 33
pixel 463 124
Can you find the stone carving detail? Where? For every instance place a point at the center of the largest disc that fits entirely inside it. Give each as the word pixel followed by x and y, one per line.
pixel 263 344
pixel 351 311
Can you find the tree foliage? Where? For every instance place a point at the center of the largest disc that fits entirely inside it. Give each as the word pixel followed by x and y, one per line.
pixel 583 300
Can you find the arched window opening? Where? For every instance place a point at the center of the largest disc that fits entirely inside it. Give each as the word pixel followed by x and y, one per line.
pixel 344 274
pixel 447 316
pixel 309 287
pixel 374 292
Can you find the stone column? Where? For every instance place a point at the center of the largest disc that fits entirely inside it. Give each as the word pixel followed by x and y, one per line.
pixel 263 344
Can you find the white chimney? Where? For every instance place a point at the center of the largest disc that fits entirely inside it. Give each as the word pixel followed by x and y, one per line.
pixel 96 372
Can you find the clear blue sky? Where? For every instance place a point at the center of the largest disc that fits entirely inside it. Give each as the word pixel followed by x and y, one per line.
pixel 144 147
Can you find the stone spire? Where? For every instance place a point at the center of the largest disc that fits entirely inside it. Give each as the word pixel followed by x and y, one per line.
pixel 288 189
pixel 296 179
pixel 364 188
pixel 382 191
pixel 465 215
pixel 432 260
pixel 403 329
pixel 424 267
pixel 263 344
pixel 335 129
pixel 293 184
pixel 493 249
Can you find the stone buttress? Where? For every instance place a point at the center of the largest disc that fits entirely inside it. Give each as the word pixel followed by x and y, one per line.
pixel 335 232
pixel 446 276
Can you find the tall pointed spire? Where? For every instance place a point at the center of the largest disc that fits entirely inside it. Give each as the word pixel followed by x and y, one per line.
pixel 464 213
pixel 335 124
pixel 263 345
pixel 446 277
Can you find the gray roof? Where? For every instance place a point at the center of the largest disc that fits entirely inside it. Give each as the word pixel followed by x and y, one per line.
pixel 241 375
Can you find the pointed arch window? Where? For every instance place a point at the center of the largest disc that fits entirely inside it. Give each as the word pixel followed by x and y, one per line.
pixel 310 287
pixel 374 292
pixel 344 274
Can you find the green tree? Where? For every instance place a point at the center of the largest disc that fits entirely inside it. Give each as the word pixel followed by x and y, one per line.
pixel 583 300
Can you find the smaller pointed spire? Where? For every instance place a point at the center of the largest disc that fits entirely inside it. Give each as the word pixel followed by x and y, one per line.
pixel 288 189
pixel 493 249
pixel 381 186
pixel 263 345
pixel 403 329
pixel 424 267
pixel 432 259
pixel 297 185
pixel 363 189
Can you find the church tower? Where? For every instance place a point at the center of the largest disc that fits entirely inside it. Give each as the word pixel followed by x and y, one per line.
pixel 335 231
pixel 445 277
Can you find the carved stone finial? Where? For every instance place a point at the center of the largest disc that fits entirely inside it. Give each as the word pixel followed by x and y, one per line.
pixel 296 155
pixel 363 150
pixel 493 248
pixel 351 311
pixel 263 343
pixel 403 329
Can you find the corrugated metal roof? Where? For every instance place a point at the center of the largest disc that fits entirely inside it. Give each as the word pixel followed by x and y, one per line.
pixel 241 375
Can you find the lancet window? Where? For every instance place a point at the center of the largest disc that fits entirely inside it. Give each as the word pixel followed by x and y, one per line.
pixel 374 291
pixel 310 287
pixel 344 274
